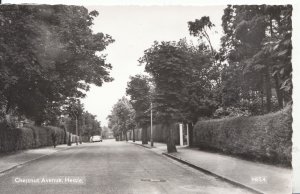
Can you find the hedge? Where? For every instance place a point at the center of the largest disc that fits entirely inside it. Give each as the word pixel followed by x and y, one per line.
pixel 30 136
pixel 265 138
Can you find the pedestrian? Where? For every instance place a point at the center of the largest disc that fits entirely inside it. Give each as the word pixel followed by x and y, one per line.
pixel 54 137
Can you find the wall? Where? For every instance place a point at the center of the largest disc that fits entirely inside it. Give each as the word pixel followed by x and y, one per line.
pixel 159 134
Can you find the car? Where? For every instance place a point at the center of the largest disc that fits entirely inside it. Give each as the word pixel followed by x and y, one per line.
pixel 96 138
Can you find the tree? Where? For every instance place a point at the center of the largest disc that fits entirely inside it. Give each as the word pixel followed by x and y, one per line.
pixel 47 55
pixel 206 83
pixel 80 122
pixel 201 86
pixel 200 28
pixel 120 119
pixel 253 43
pixel 89 125
pixel 138 89
pixel 105 132
pixel 167 64
pixel 75 110
pixel 185 82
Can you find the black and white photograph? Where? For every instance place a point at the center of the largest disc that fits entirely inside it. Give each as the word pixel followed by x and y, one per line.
pixel 149 97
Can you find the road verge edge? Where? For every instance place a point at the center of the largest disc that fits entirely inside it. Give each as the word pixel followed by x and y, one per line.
pixel 212 173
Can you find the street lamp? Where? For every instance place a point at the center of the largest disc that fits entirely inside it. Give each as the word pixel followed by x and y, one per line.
pixel 151 128
pixel 151 123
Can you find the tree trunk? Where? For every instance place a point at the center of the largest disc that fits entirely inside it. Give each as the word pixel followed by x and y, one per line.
pixel 69 140
pixel 262 93
pixel 38 122
pixel 7 107
pixel 268 79
pixel 65 136
pixel 268 89
pixel 144 135
pixel 191 128
pixel 126 135
pixel 133 135
pixel 171 147
pixel 278 92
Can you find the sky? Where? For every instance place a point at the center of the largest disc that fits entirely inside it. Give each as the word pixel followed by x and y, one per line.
pixel 134 29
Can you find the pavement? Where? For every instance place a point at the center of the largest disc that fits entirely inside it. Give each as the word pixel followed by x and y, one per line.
pixel 16 159
pixel 108 167
pixel 254 176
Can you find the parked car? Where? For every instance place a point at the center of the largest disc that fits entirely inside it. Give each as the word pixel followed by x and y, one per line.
pixel 96 138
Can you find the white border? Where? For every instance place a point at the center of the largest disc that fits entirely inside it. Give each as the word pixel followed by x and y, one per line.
pixel 295 55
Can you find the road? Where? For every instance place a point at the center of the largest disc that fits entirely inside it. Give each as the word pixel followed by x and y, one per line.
pixel 110 167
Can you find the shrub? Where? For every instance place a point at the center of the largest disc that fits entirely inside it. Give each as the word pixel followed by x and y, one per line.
pixel 265 138
pixel 8 137
pixel 29 136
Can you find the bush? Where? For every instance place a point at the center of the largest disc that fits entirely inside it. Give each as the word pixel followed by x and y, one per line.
pixel 8 137
pixel 264 138
pixel 29 136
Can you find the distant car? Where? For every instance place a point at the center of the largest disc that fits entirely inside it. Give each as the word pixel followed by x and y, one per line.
pixel 96 138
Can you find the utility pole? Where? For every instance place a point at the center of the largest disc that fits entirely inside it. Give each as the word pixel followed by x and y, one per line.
pixel 151 129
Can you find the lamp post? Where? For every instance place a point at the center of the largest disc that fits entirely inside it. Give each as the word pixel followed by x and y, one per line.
pixel 76 130
pixel 151 123
pixel 151 128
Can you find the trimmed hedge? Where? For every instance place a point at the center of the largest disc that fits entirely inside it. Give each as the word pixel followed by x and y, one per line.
pixel 265 138
pixel 30 136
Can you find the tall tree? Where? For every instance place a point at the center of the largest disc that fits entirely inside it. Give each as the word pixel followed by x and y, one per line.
pixel 200 28
pixel 89 125
pixel 167 64
pixel 47 55
pixel 253 42
pixel 120 118
pixel 138 89
pixel 184 80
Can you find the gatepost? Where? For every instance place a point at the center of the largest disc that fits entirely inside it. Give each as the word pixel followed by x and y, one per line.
pixel 181 134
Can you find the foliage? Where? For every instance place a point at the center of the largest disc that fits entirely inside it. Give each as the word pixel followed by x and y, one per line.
pixel 256 51
pixel 265 138
pixel 87 122
pixel 106 132
pixel 184 80
pixel 29 136
pixel 230 112
pixel 200 28
pixel 47 55
pixel 138 88
pixel 88 125
pixel 121 118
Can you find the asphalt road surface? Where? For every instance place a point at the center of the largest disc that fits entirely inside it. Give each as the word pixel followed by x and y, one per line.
pixel 110 167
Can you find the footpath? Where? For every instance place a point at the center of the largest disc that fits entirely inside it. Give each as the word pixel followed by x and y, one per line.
pixel 254 176
pixel 13 160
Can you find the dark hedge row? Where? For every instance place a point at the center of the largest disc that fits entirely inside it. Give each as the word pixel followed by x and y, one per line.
pixel 29 136
pixel 265 138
